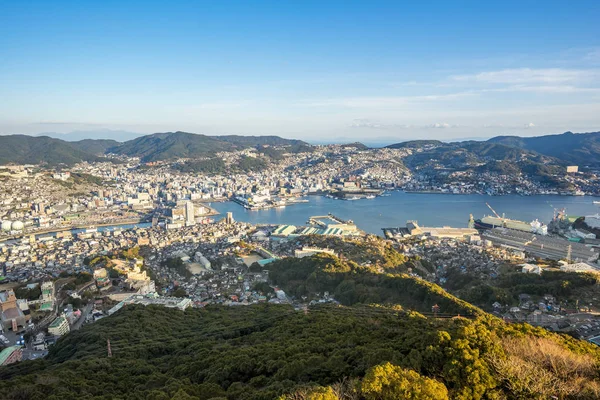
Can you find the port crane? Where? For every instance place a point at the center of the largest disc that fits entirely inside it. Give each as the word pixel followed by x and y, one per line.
pixel 494 211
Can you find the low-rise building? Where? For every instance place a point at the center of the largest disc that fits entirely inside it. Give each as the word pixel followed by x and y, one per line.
pixel 60 326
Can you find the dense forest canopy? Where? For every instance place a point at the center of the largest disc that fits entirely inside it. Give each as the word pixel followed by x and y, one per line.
pixel 270 351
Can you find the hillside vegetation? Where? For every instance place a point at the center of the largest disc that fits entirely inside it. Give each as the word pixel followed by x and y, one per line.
pixel 22 149
pixel 573 148
pixel 171 145
pixel 271 351
pixel 350 284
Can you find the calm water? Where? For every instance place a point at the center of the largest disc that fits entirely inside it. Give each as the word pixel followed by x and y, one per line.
pixel 427 209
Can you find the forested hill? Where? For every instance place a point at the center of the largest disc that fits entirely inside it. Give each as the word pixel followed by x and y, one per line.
pixel 574 148
pixel 23 149
pixel 565 148
pixel 266 351
pixel 171 145
pixel 351 283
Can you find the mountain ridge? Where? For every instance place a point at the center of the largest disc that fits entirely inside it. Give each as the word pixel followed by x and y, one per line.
pixel 563 149
pixel 574 148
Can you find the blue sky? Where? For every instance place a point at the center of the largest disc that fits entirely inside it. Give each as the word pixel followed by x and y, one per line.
pixel 312 69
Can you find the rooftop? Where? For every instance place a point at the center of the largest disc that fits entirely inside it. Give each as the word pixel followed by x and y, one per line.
pixel 4 354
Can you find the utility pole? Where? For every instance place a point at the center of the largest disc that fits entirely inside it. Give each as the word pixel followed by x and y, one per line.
pixel 569 254
pixel 108 347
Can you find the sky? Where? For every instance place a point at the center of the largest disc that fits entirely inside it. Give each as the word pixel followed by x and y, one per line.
pixel 313 70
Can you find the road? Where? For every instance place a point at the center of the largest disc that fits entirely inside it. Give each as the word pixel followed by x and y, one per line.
pixel 81 319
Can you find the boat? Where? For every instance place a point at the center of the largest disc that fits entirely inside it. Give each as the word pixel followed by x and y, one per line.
pixel 353 198
pixel 490 222
pixel 370 196
pixel 596 202
pixel 496 221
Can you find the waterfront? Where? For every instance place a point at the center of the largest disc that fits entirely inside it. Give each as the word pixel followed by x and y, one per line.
pixel 429 209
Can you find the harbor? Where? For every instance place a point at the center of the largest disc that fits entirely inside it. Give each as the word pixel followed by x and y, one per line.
pixel 430 210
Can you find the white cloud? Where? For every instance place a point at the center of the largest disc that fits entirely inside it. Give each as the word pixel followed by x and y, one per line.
pixel 531 76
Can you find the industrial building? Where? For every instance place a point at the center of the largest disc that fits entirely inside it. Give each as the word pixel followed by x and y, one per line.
pixel 413 229
pixel 541 246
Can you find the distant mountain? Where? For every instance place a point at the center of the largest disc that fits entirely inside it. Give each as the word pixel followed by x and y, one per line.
pixel 169 145
pixel 437 157
pixel 104 134
pixel 23 149
pixel 411 144
pixel 251 141
pixel 95 146
pixel 494 151
pixel 572 148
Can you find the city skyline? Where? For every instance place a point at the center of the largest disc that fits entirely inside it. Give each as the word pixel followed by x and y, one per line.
pixel 333 72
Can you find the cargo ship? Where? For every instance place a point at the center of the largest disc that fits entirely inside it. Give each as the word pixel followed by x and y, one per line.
pixel 496 221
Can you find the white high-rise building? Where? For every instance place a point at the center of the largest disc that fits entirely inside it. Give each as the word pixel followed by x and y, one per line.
pixel 189 213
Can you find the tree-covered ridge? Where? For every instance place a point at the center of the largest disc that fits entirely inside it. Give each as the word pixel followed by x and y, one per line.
pixel 371 250
pixel 22 149
pixel 575 148
pixel 267 351
pixel 350 283
pixel 170 145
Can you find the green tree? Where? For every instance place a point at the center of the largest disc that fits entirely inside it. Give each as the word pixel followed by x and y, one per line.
pixel 390 382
